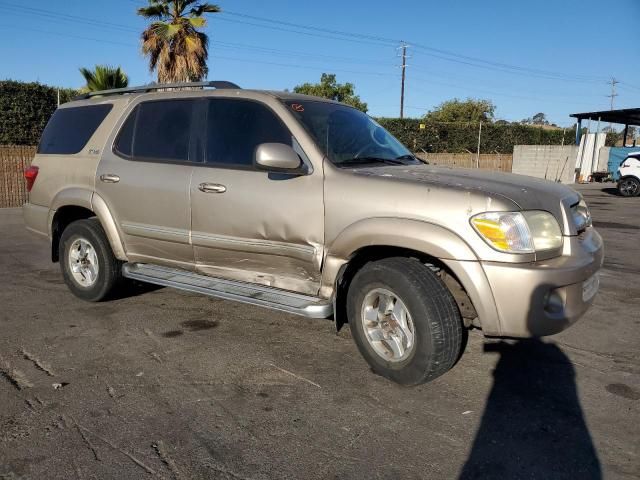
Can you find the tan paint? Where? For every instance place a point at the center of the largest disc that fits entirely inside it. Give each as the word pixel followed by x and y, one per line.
pixel 99 207
pixel 297 233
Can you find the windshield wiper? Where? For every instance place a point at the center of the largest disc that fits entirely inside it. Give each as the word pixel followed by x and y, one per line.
pixel 362 160
pixel 408 156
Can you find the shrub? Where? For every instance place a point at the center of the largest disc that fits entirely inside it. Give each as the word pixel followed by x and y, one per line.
pixel 25 109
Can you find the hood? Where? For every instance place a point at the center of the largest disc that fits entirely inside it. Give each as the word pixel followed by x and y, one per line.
pixel 527 193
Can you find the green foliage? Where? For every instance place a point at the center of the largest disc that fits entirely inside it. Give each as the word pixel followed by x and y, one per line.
pixel 463 137
pixel 538 119
pixel 104 77
pixel 25 109
pixel 330 88
pixel 469 110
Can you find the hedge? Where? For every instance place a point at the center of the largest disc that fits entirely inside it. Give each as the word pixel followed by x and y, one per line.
pixel 25 109
pixel 463 137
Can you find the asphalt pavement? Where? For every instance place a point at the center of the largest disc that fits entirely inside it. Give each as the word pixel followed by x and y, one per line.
pixel 166 384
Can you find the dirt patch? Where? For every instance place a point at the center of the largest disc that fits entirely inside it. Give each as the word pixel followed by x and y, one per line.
pixel 172 333
pixel 623 390
pixel 198 325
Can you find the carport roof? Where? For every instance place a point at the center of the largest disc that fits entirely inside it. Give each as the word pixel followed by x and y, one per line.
pixel 625 116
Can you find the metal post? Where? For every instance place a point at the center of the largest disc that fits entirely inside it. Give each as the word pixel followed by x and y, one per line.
pixel 581 151
pixel 595 148
pixel 478 154
pixel 626 132
pixel 578 131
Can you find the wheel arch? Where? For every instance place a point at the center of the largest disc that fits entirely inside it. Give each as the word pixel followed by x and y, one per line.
pixel 79 204
pixel 375 239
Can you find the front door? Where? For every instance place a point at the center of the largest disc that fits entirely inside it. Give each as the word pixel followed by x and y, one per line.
pixel 248 224
pixel 145 182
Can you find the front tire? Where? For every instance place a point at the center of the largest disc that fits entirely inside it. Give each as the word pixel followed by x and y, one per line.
pixel 404 320
pixel 88 265
pixel 629 187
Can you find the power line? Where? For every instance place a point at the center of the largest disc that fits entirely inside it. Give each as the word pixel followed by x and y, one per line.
pixel 310 30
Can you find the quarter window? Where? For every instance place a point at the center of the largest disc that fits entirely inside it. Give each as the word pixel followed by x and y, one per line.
pixel 70 129
pixel 235 128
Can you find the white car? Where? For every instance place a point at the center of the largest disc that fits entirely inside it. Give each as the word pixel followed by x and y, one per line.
pixel 629 170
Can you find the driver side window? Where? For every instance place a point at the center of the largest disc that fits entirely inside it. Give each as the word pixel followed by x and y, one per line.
pixel 235 128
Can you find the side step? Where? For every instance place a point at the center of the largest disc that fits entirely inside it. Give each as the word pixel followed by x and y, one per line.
pixel 307 306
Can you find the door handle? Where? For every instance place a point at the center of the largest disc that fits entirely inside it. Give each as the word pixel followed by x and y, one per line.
pixel 110 178
pixel 212 188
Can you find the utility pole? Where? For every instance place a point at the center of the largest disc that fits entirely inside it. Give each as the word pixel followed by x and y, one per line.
pixel 613 94
pixel 404 68
pixel 478 153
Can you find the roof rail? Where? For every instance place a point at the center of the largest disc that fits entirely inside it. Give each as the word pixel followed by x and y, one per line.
pixel 220 84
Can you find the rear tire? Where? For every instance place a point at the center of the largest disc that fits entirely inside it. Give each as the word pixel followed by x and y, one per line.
pixel 629 187
pixel 404 320
pixel 88 265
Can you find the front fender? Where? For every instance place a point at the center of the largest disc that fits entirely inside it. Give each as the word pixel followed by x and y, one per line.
pixel 423 237
pixel 416 235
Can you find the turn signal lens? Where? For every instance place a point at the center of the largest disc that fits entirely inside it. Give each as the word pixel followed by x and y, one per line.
pixel 504 231
pixel 30 175
pixel 519 232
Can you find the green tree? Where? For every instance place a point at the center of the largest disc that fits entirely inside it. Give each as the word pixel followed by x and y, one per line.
pixel 176 47
pixel 330 88
pixel 104 77
pixel 539 119
pixel 469 110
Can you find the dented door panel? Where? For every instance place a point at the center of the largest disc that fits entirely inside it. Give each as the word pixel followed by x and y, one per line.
pixel 265 228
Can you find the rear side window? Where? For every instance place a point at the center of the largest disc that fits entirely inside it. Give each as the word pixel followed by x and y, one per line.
pixel 235 128
pixel 158 130
pixel 70 129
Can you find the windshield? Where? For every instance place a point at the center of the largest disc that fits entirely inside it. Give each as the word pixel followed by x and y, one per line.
pixel 349 137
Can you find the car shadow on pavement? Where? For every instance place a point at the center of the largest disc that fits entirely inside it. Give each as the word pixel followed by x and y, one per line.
pixel 133 288
pixel 611 191
pixel 532 426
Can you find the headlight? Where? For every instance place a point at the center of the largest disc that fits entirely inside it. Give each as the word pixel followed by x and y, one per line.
pixel 581 216
pixel 519 232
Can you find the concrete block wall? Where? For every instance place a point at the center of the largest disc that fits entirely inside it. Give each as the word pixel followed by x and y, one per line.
pixel 536 160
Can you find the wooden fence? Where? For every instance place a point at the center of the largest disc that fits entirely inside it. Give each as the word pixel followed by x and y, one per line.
pixel 488 161
pixel 15 158
pixel 13 161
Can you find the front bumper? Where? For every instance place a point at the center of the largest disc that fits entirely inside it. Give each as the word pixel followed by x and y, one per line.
pixel 545 297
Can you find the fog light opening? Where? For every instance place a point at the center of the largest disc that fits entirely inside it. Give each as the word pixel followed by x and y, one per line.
pixel 553 302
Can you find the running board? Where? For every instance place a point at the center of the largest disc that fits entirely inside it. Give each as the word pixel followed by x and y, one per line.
pixel 307 306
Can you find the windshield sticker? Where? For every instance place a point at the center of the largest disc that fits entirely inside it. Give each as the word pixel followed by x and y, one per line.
pixel 297 107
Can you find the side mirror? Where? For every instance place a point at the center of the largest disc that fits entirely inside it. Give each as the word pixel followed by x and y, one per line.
pixel 278 157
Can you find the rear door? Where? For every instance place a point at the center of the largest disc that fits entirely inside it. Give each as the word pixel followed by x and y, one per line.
pixel 145 180
pixel 248 224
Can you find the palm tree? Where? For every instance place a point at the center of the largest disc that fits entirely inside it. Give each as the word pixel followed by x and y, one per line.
pixel 176 47
pixel 104 77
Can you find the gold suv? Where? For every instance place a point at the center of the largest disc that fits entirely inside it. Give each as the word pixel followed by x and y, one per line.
pixel 307 206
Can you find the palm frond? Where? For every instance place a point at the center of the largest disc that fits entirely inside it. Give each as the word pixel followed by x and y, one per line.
pixel 155 10
pixel 104 77
pixel 174 45
pixel 204 8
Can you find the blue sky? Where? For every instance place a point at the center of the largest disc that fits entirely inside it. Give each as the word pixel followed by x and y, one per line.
pixel 552 56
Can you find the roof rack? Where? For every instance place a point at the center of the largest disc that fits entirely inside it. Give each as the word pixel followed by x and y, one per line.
pixel 220 84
